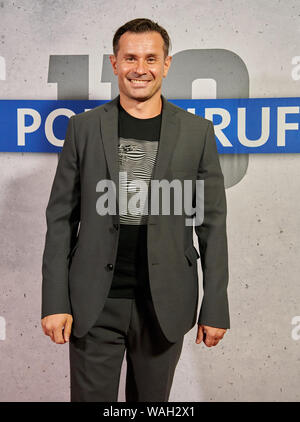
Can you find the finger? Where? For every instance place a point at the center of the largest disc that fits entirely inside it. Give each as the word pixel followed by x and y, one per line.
pixel 47 331
pixel 209 340
pixel 216 340
pixel 47 328
pixel 199 337
pixel 219 337
pixel 58 337
pixel 67 330
pixel 51 335
pixel 44 328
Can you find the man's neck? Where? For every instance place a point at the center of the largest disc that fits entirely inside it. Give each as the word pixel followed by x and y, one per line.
pixel 142 109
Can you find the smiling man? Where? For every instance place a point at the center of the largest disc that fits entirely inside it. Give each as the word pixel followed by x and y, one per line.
pixel 128 281
pixel 141 62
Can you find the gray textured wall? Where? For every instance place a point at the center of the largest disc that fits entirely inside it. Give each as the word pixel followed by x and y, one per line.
pixel 258 359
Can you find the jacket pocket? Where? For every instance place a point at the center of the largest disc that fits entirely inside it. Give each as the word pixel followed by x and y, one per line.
pixel 191 254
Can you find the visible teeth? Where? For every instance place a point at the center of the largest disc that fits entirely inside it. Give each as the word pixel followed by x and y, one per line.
pixel 136 80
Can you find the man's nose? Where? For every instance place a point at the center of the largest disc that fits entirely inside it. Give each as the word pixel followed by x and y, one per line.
pixel 141 67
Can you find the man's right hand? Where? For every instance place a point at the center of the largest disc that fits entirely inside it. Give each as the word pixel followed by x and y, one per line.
pixel 58 327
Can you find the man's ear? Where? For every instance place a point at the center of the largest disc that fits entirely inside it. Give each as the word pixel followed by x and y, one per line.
pixel 113 61
pixel 167 65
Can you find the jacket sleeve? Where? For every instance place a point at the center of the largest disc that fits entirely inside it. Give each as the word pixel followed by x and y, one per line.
pixel 62 217
pixel 212 238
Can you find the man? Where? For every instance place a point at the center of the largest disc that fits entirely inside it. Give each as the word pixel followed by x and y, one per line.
pixel 117 281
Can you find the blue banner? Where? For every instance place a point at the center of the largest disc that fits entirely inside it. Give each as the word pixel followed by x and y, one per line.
pixel 252 125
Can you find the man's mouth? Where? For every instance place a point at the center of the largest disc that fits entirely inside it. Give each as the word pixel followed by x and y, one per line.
pixel 139 82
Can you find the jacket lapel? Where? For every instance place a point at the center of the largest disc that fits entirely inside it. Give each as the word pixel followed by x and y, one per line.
pixel 109 134
pixel 166 146
pixel 168 138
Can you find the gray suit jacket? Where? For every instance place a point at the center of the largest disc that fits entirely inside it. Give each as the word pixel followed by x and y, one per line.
pixel 81 245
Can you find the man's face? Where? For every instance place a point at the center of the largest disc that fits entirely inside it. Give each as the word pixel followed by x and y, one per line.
pixel 140 64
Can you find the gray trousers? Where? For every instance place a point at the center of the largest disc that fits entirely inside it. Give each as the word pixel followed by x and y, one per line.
pixel 96 358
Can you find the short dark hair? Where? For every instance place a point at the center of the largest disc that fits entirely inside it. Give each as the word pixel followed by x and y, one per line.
pixel 141 25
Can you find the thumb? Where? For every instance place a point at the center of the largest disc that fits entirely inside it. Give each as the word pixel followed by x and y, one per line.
pixel 67 329
pixel 199 334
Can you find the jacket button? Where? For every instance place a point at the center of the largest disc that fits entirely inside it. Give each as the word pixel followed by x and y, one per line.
pixel 109 267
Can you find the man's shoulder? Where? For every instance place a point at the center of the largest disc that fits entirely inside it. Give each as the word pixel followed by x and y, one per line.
pixel 90 114
pixel 189 117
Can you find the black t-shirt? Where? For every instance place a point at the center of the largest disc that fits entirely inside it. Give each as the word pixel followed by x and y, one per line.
pixel 138 146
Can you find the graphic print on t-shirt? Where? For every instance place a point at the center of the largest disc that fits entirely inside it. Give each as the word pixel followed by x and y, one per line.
pixel 136 158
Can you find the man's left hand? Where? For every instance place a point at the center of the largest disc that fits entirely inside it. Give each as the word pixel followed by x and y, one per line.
pixel 210 335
